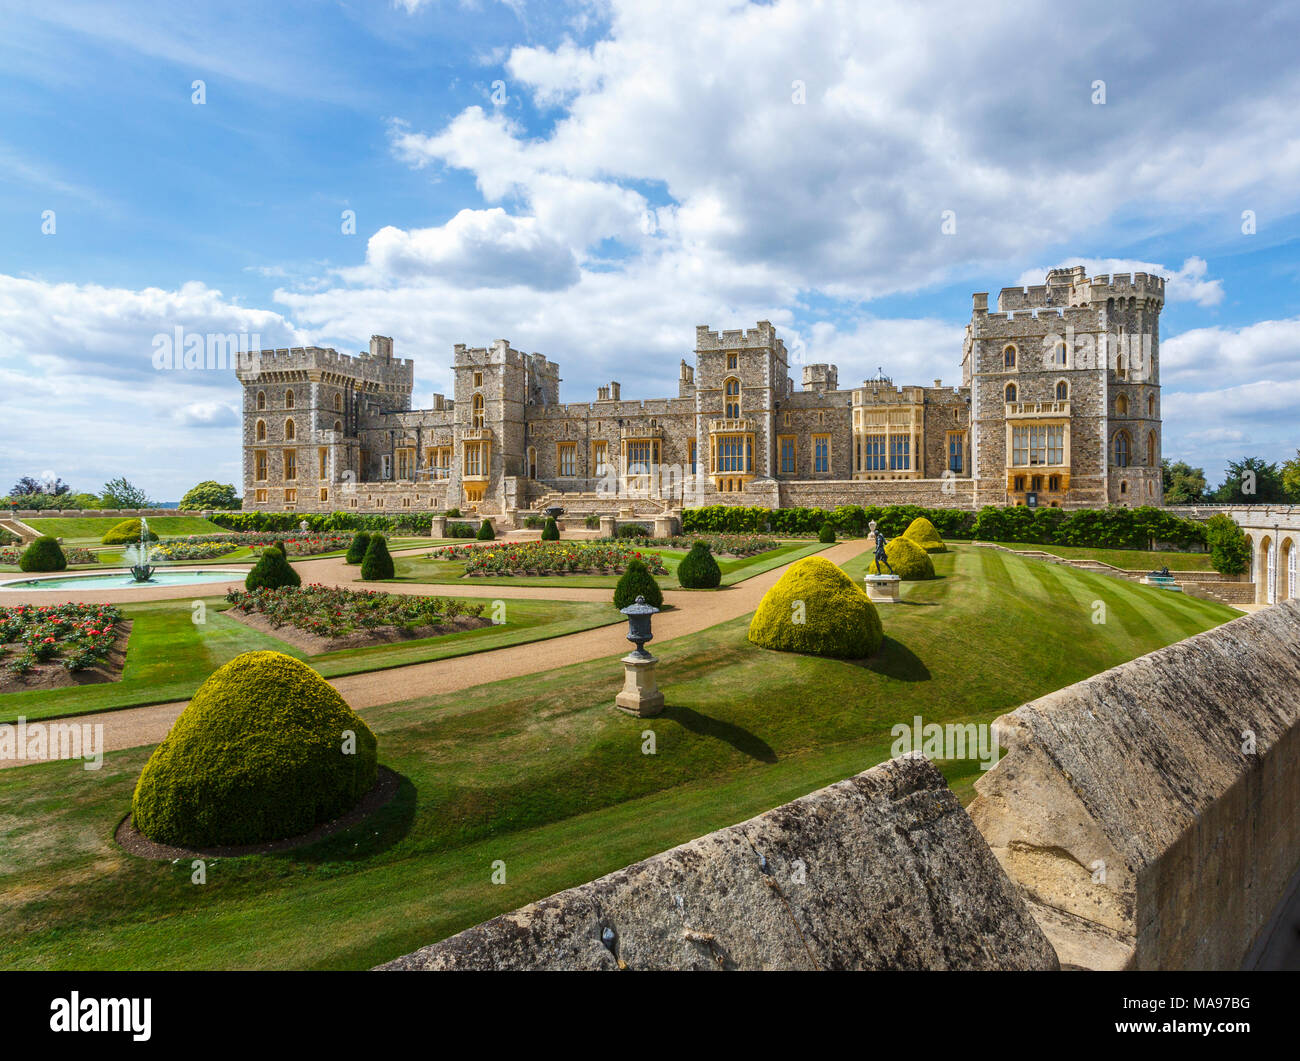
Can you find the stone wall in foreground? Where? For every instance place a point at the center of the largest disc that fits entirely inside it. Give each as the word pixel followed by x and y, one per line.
pixel 1151 813
pixel 882 871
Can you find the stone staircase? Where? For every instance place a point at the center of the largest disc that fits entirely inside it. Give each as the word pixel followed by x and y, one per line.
pixel 19 528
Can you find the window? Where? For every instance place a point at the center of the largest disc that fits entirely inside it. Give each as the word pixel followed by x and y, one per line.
pixel 323 460
pixel 478 412
pixel 406 463
pixel 900 453
pixel 955 451
pixel 259 465
pixel 1062 390
pixel 1123 487
pixel 261 497
pixel 1019 483
pixel 788 454
pixel 1121 406
pixel 532 462
pixel 1058 353
pixel 1009 357
pixel 324 493
pixel 288 399
pixel 478 380
pixel 821 454
pixel 261 431
pixel 691 455
pixel 261 400
pixel 786 418
pixel 291 464
pixel 338 426
pixel 338 402
pixel 1122 450
pixel 874 454
pixel 1054 483
pixel 291 497
pixel 474 458
pixel 290 430
pixel 568 459
pixel 600 457
pixel 1011 392
pixel 1037 444
pixel 732 390
pixel 733 360
pixel 386 466
pixel 1151 449
pixel 1151 405
pixel 735 453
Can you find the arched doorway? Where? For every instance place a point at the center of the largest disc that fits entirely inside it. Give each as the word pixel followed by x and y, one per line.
pixel 532 462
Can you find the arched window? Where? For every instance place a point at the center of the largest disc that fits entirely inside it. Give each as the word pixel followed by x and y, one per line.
pixel 290 430
pixel 1151 449
pixel 1122 450
pixel 478 411
pixel 1062 390
pixel 1121 406
pixel 732 390
pixel 1011 392
pixel 1151 405
pixel 261 400
pixel 1058 353
pixel 1009 357
pixel 1123 487
pixel 338 402
pixel 338 426
pixel 261 431
pixel 288 399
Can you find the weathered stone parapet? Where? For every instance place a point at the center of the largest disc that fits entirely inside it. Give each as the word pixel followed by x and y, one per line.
pixel 1149 813
pixel 882 871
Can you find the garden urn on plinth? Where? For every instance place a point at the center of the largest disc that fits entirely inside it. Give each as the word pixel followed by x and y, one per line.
pixel 640 695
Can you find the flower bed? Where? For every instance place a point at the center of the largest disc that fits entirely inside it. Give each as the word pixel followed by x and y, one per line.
pixel 719 544
pixel 547 558
pixel 75 636
pixel 10 555
pixel 295 543
pixel 329 613
pixel 179 550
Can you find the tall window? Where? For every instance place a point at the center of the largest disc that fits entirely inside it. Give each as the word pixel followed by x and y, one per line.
pixel 1151 405
pixel 600 457
pixel 787 455
pixel 478 411
pixel 691 455
pixel 734 453
pixel 261 431
pixel 323 460
pixel 1121 406
pixel 259 465
pixel 568 459
pixel 1058 354
pixel 288 399
pixel 954 451
pixel 875 457
pixel 338 402
pixel 900 453
pixel 821 454
pixel 733 360
pixel 1122 450
pixel 474 458
pixel 1009 357
pixel 261 399
pixel 478 379
pixel 732 387
pixel 1151 449
pixel 1035 444
pixel 1011 392
pixel 290 430
pixel 291 464
pixel 1062 390
pixel 406 463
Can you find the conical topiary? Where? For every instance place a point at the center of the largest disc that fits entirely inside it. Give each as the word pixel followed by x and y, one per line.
pixel 698 569
pixel 377 563
pixel 637 582
pixel 486 533
pixel 922 531
pixel 272 571
pixel 827 533
pixel 357 550
pixel 551 532
pixel 44 554
pixel 816 609
pixel 266 750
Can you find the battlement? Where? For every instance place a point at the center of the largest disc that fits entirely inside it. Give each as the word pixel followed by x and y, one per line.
pixel 502 353
pixel 760 337
pixel 1074 288
pixel 380 368
pixel 1139 285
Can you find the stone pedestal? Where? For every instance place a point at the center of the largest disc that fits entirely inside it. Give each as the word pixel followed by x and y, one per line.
pixel 665 526
pixel 607 526
pixel 438 527
pixel 640 695
pixel 882 589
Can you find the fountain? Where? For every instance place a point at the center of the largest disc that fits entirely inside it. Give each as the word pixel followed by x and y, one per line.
pixel 137 556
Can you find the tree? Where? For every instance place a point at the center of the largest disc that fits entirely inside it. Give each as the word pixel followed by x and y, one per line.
pixel 119 493
pixel 1182 484
pixel 210 494
pixel 1291 478
pixel 377 564
pixel 1251 481
pixel 29 487
pixel 1229 550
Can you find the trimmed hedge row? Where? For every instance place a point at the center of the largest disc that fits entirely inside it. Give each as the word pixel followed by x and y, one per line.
pixel 406 522
pixel 1103 528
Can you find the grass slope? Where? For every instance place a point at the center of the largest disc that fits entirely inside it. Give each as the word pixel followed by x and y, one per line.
pixel 1126 559
pixel 90 529
pixel 544 775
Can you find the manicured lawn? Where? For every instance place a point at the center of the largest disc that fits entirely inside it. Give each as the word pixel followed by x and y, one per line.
pixel 85 530
pixel 545 776
pixel 734 569
pixel 169 656
pixel 1127 559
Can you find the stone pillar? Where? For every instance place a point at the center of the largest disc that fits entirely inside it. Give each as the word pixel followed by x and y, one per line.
pixel 438 527
pixel 640 695
pixel 608 524
pixel 665 526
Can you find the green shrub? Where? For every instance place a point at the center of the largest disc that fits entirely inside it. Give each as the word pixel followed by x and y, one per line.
pixel 592 522
pixel 1229 550
pixel 261 753
pixel 377 564
pixel 816 609
pixel 44 554
pixel 631 530
pixel 922 531
pixel 486 533
pixel 272 571
pixel 698 569
pixel 357 550
pixel 910 562
pixel 533 522
pixel 453 512
pixel 827 533
pixel 551 532
pixel 125 533
pixel 635 582
pixel 461 530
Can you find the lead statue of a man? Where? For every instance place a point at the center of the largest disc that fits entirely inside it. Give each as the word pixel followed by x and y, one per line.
pixel 881 542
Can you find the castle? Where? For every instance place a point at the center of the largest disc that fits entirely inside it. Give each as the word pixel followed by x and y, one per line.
pixel 1059 404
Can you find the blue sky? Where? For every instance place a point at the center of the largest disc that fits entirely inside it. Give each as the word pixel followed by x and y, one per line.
pixel 638 169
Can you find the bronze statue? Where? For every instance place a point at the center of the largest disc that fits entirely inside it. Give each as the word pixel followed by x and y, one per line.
pixel 881 560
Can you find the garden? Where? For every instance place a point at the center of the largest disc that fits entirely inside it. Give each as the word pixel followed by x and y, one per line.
pixel 37 643
pixel 548 558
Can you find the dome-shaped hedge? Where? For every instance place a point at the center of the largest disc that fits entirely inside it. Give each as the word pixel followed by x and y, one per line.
pixel 922 531
pixel 910 562
pixel 698 569
pixel 815 608
pixel 44 554
pixel 261 753
pixel 826 534
pixel 357 550
pixel 272 571
pixel 125 533
pixel 637 581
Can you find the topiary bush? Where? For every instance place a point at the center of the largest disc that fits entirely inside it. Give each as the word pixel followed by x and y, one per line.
pixel 631 530
pixel 272 571
pixel 698 569
pixel 44 554
pixel 922 531
pixel 635 582
pixel 261 753
pixel 551 532
pixel 816 609
pixel 377 564
pixel 827 532
pixel 486 533
pixel 910 562
pixel 125 533
pixel 357 550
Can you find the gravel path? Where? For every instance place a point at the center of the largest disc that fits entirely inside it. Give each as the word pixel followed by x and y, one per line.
pixel 692 612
